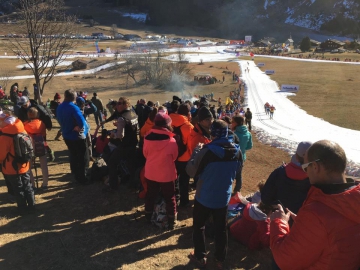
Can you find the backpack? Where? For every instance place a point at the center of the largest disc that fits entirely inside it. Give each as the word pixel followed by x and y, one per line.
pixel 179 140
pixel 159 217
pixel 99 170
pixel 45 115
pixel 39 145
pixel 23 147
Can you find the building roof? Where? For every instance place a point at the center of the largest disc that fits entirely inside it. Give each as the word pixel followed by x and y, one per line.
pixel 290 40
pixel 337 42
pixel 315 41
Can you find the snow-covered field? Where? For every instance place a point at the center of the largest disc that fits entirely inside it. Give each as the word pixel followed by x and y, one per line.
pixel 290 124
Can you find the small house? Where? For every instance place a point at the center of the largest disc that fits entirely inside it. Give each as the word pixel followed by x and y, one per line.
pixel 331 44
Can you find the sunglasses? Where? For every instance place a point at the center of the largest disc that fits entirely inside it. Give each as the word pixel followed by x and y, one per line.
pixel 304 166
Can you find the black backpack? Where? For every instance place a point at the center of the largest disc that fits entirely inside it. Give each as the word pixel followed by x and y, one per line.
pixel 99 170
pixel 179 140
pixel 23 148
pixel 45 115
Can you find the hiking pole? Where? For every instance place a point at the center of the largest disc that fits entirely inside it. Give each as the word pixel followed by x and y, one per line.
pixel 36 179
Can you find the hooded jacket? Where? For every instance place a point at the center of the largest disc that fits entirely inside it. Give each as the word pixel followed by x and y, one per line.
pixel 160 150
pixel 7 146
pixel 325 234
pixel 186 127
pixel 253 228
pixel 35 126
pixel 197 135
pixel 289 184
pixel 216 164
pixel 245 139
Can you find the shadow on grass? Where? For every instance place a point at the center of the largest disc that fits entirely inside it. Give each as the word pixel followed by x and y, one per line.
pixel 80 227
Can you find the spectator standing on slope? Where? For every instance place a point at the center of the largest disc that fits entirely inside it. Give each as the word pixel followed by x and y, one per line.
pixel 100 109
pixel 16 174
pixel 161 151
pixel 74 133
pixel 245 143
pixel 216 165
pixel 34 126
pixel 248 117
pixel 53 107
pixel 325 233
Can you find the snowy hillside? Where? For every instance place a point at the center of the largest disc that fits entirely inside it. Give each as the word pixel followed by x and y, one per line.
pixel 312 14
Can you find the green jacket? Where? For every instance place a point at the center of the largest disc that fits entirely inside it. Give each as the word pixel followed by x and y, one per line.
pixel 245 139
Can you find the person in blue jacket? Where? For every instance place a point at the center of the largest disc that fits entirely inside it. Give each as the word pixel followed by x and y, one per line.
pixel 74 130
pixel 216 165
pixel 245 143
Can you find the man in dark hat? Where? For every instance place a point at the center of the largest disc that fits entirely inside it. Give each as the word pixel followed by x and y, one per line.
pixel 216 165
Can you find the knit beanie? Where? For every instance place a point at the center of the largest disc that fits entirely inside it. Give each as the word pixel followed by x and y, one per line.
pixel 184 109
pixel 162 120
pixel 57 96
pixel 80 101
pixel 218 130
pixel 204 113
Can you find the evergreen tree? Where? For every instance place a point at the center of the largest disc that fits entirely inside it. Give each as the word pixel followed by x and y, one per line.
pixel 305 44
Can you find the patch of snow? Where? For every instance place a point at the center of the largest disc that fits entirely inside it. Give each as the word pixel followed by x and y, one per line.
pixel 265 5
pixel 141 17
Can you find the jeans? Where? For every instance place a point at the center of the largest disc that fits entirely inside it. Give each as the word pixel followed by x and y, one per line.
pixel 79 159
pixel 22 189
pixel 126 153
pixel 168 192
pixel 184 180
pixel 98 118
pixel 200 215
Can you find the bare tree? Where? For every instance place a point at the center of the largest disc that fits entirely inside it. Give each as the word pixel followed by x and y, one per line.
pixel 113 30
pixel 44 37
pixel 131 67
pixel 5 77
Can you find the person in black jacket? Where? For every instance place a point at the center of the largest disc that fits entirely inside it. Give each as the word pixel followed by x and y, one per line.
pixel 25 104
pixel 288 184
pixel 248 117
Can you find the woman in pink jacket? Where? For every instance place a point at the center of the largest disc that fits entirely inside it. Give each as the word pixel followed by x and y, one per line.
pixel 160 150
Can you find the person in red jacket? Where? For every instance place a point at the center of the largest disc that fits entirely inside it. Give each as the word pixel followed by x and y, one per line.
pixel 19 178
pixel 161 150
pixel 326 230
pixel 253 229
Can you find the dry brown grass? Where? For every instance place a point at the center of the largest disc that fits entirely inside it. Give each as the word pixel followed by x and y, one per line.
pixel 328 91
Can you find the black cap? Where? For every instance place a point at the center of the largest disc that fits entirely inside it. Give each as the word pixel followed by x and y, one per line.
pixel 204 113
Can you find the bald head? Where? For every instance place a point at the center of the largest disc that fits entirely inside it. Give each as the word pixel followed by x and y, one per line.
pixel 330 154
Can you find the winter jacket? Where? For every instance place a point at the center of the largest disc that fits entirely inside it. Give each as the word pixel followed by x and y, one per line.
pixel 186 127
pixel 98 103
pixel 197 135
pixel 35 126
pixel 14 97
pixel 140 112
pixel 53 106
pixel 248 115
pixel 160 150
pixel 289 184
pixel 146 127
pixel 253 229
pixel 7 146
pixel 245 139
pixel 216 164
pixel 69 116
pixel 326 231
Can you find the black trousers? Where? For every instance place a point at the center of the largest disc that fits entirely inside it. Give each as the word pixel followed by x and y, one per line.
pixel 79 159
pixel 22 188
pixel 200 215
pixel 126 153
pixel 183 180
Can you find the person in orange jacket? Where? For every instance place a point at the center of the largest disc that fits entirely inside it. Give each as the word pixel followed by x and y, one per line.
pixel 181 118
pixel 19 179
pixel 325 233
pixel 36 127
